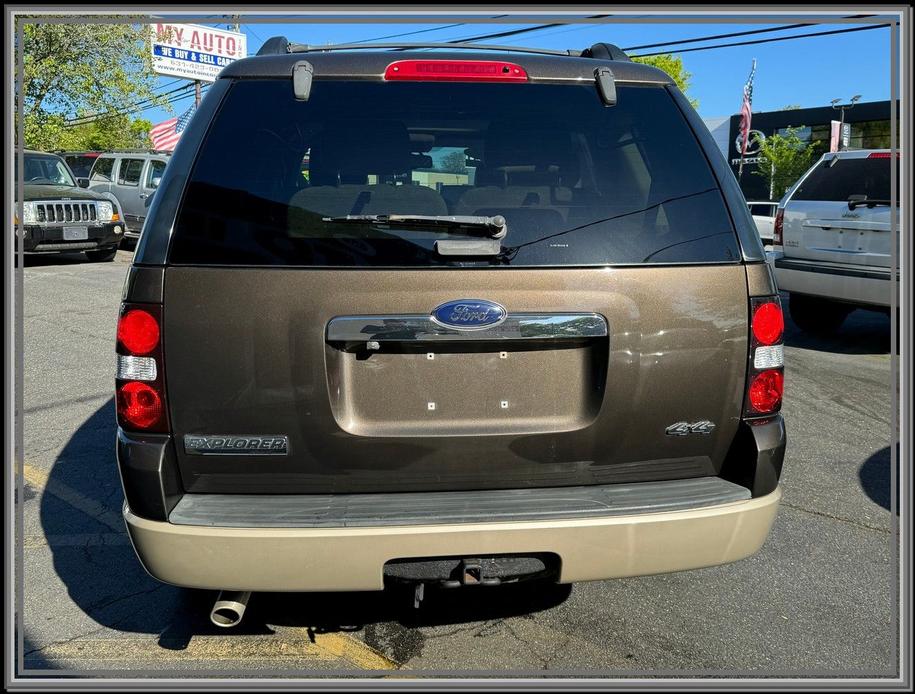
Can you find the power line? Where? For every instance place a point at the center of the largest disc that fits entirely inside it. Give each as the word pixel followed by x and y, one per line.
pixel 719 36
pixel 515 32
pixel 128 111
pixel 410 33
pixel 757 41
pixel 145 103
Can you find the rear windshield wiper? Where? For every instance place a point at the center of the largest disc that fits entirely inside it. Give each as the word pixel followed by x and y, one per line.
pixel 494 226
pixel 855 200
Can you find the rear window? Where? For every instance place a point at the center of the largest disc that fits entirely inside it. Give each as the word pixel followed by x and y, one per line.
pixel 847 177
pixel 578 183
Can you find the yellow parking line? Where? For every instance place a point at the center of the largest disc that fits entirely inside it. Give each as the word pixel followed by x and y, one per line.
pixel 291 646
pixel 76 540
pixel 356 652
pixel 39 479
pixel 325 646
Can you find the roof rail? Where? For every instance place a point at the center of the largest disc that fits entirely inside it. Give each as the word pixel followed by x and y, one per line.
pixel 280 45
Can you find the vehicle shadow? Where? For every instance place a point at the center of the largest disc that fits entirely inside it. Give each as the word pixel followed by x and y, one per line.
pixel 874 475
pixel 82 499
pixel 863 332
pixel 44 259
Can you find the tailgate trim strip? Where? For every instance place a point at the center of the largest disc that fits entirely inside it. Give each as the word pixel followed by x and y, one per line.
pixel 433 508
pixel 421 328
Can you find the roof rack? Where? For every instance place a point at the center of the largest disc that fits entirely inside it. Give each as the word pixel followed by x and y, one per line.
pixel 279 45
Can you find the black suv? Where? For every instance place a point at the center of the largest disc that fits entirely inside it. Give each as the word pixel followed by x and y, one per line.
pixel 456 318
pixel 60 216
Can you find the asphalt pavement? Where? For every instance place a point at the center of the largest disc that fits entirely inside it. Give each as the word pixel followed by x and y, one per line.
pixel 819 599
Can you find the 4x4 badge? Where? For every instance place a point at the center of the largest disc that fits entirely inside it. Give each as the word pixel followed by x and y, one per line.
pixel 683 428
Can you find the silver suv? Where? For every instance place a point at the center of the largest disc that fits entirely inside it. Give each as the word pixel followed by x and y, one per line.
pixel 131 177
pixel 832 240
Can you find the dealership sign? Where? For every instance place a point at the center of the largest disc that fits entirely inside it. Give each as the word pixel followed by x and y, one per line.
pixel 194 52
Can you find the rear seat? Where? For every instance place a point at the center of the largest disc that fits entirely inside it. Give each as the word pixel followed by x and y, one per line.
pixel 341 159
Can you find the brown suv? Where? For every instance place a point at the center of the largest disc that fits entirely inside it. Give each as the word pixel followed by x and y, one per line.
pixel 451 318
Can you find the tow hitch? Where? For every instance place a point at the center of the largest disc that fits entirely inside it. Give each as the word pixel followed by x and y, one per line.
pixel 458 572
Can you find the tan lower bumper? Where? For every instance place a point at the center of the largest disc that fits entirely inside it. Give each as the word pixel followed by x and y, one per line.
pixel 351 559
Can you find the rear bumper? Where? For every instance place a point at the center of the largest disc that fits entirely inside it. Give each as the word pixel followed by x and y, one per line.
pixel 353 558
pixel 861 285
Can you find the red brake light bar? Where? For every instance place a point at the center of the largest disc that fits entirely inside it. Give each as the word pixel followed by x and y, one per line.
pixel 455 71
pixel 881 155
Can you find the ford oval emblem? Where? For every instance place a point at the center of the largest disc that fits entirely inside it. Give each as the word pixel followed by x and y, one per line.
pixel 469 314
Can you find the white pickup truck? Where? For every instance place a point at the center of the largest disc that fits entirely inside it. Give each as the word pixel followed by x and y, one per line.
pixel 832 247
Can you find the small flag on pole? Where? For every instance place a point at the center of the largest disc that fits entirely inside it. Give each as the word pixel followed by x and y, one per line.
pixel 746 111
pixel 165 135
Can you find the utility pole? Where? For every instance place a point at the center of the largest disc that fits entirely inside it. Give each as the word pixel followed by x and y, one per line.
pixel 841 109
pixel 196 93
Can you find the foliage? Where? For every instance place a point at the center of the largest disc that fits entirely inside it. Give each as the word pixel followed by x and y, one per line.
pixel 787 157
pixel 80 70
pixel 453 162
pixel 107 133
pixel 673 66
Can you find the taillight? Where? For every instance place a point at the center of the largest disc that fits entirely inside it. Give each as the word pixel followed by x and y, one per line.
pixel 765 374
pixel 455 71
pixel 140 381
pixel 778 227
pixel 881 155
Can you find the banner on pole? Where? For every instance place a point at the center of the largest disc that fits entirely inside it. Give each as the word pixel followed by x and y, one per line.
pixel 194 52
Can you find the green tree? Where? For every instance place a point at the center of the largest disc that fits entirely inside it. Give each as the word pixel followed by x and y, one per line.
pixel 107 133
pixel 673 66
pixel 787 157
pixel 454 162
pixel 78 70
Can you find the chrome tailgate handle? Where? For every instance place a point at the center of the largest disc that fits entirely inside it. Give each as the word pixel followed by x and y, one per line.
pixel 421 328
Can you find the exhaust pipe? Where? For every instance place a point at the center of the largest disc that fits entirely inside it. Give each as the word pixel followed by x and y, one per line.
pixel 229 608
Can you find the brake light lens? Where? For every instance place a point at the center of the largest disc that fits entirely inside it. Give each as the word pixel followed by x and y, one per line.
pixel 768 323
pixel 455 71
pixel 139 404
pixel 138 331
pixel 765 371
pixel 139 378
pixel 778 227
pixel 766 391
pixel 881 155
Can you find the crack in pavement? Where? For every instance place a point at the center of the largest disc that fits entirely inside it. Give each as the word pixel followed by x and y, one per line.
pixel 823 514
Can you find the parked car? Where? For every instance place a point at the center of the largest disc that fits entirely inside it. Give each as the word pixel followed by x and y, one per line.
pixel 764 217
pixel 132 177
pixel 80 163
pixel 833 250
pixel 564 364
pixel 59 216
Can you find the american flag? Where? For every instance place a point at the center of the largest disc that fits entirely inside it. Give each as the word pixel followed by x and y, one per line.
pixel 746 112
pixel 165 135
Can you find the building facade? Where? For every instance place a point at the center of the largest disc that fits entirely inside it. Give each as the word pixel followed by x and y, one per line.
pixel 869 129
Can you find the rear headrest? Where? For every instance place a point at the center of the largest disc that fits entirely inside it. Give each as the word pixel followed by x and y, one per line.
pixel 347 151
pixel 513 144
pixel 529 177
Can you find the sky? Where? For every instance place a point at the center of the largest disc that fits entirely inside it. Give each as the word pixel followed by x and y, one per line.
pixel 806 72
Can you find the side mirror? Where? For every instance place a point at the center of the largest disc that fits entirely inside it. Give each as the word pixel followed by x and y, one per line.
pixel 156 181
pixel 82 182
